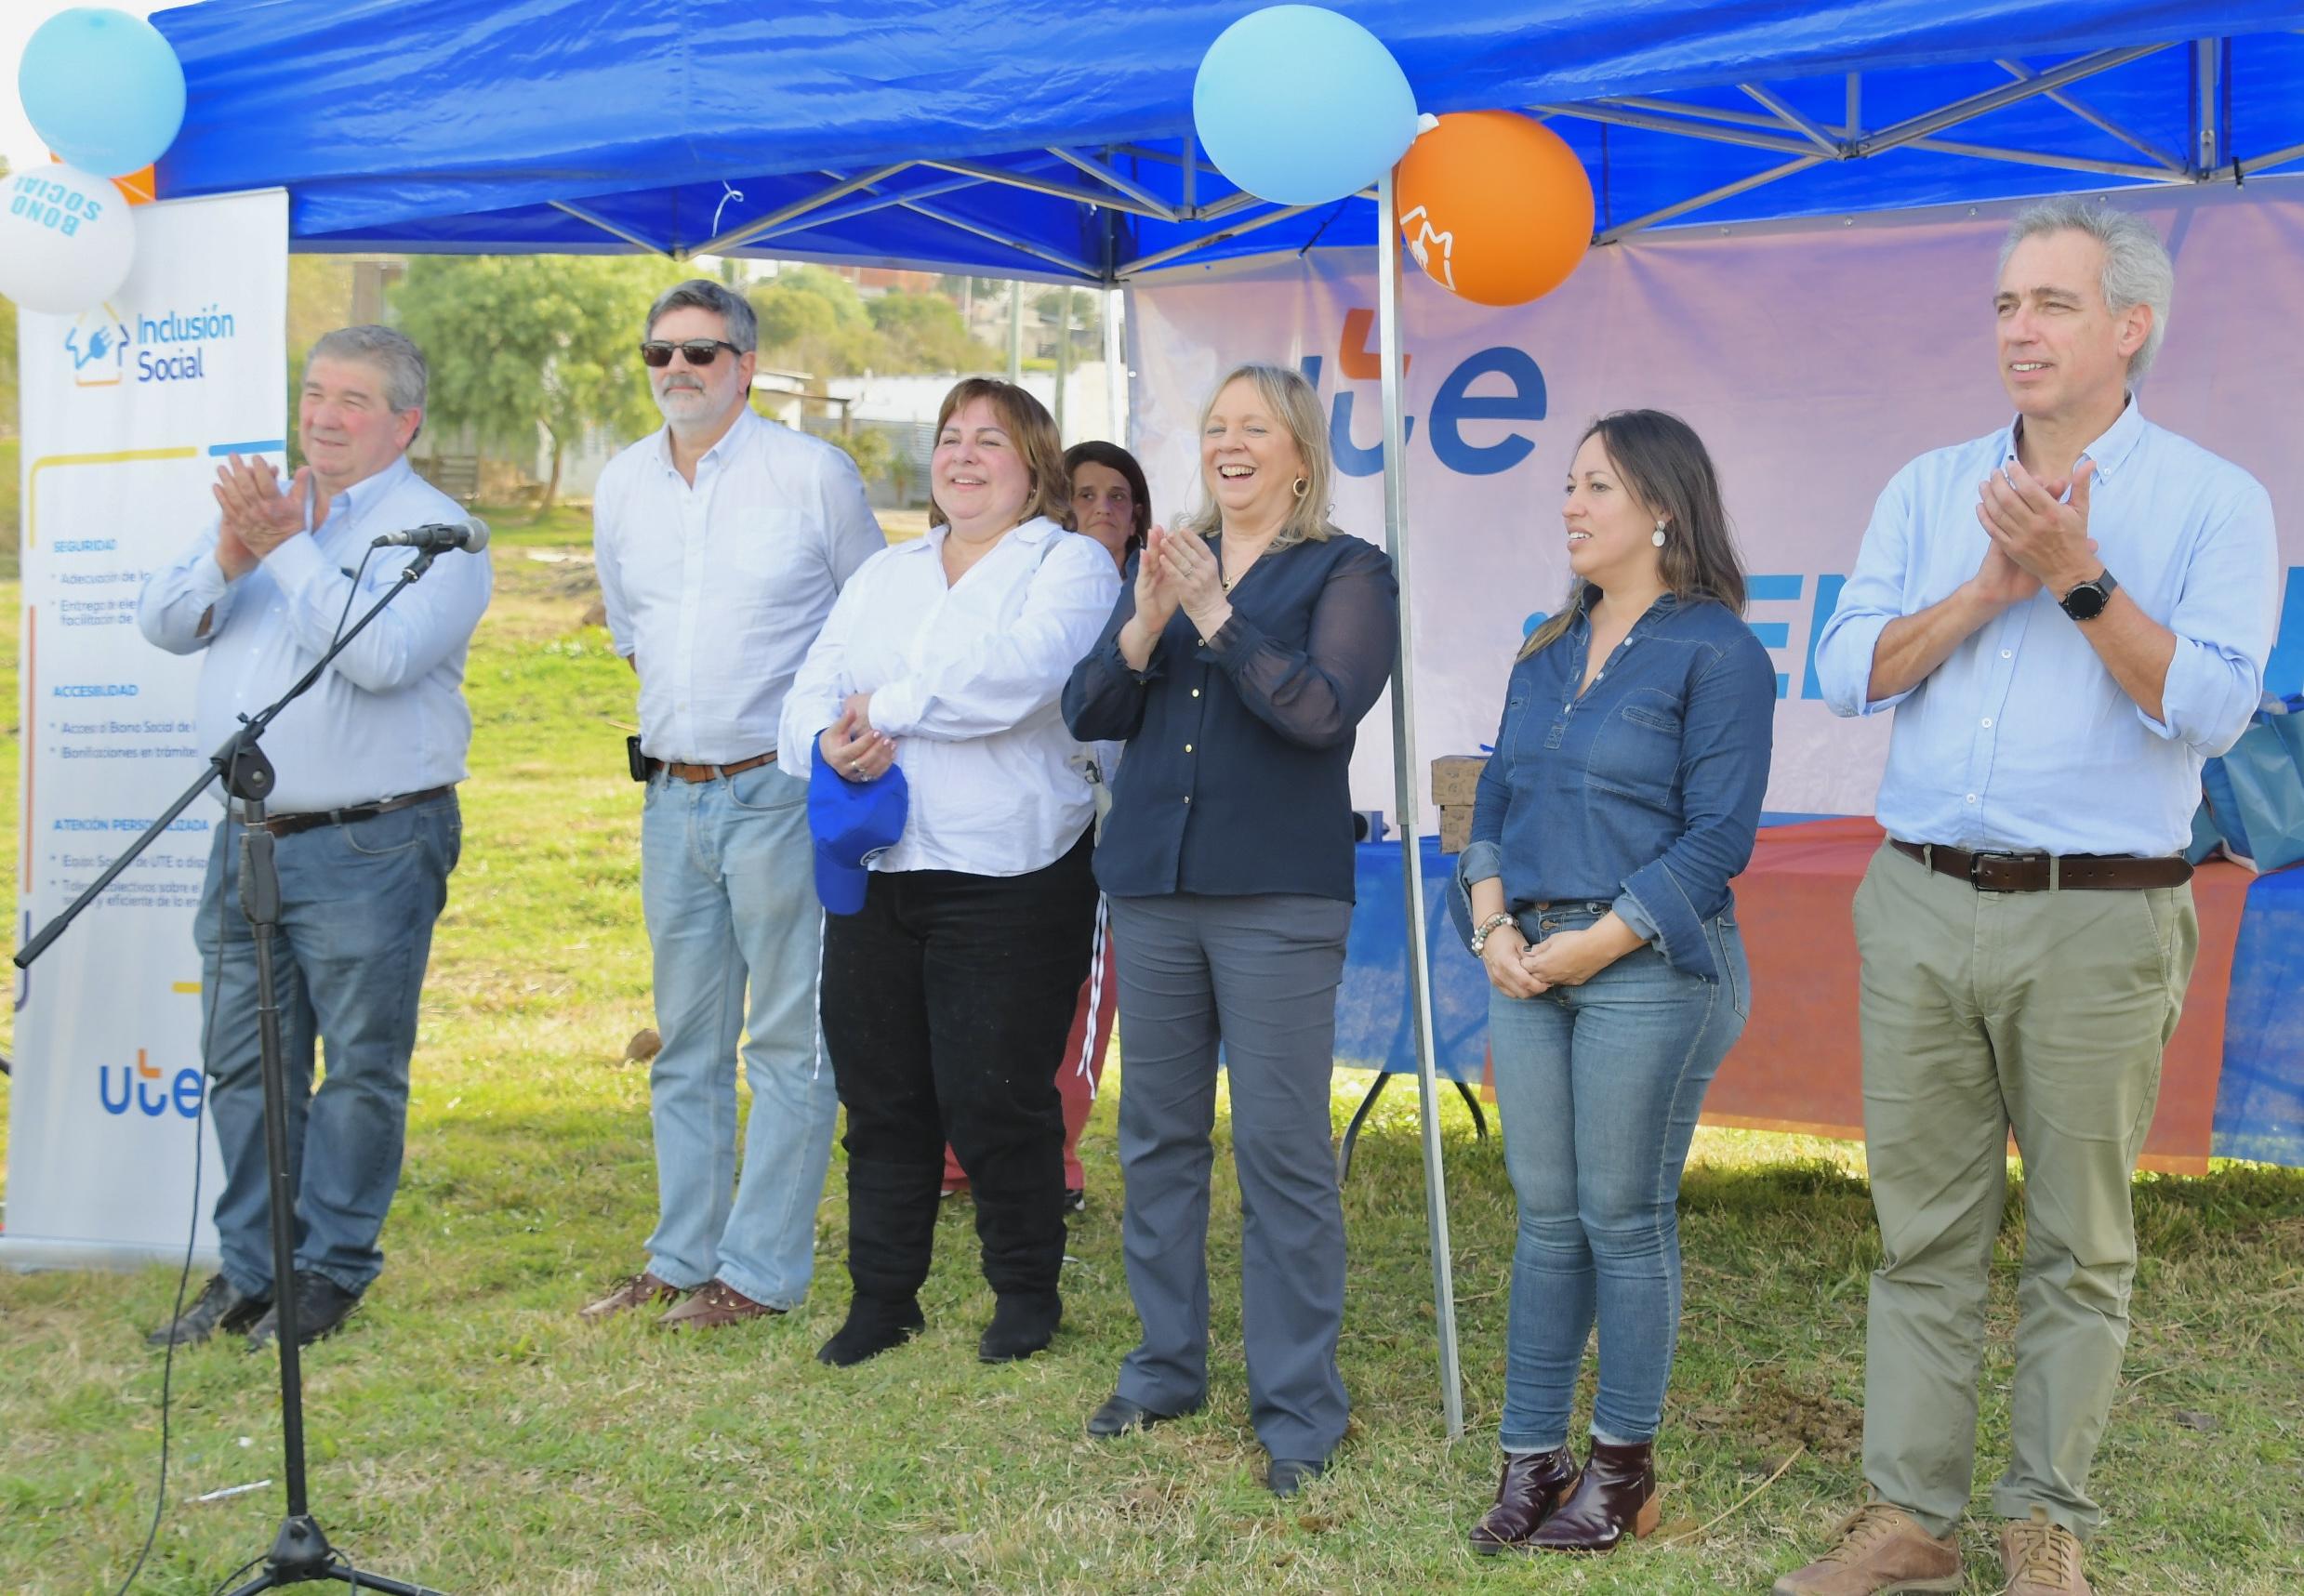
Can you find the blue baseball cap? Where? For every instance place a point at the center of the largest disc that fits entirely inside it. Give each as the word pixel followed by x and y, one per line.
pixel 853 823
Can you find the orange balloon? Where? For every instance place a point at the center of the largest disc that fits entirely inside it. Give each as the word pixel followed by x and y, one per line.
pixel 138 188
pixel 1495 207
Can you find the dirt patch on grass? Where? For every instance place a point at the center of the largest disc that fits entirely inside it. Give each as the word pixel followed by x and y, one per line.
pixel 1773 1410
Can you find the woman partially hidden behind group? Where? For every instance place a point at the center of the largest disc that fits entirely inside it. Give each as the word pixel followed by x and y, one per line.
pixel 1620 800
pixel 1236 663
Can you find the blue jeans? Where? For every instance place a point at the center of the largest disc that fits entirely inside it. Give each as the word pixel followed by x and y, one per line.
pixel 727 886
pixel 1599 1087
pixel 357 903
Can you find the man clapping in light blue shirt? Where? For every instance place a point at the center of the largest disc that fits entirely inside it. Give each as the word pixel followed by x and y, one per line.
pixel 365 810
pixel 2068 617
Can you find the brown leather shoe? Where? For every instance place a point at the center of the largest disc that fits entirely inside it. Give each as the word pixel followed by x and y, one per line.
pixel 1880 1548
pixel 1614 1496
pixel 714 1304
pixel 2040 1557
pixel 642 1290
pixel 1532 1487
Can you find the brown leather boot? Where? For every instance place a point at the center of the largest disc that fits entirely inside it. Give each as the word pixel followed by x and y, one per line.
pixel 1614 1496
pixel 1532 1489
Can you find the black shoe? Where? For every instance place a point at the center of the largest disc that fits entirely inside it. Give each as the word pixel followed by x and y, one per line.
pixel 1023 1322
pixel 219 1306
pixel 321 1306
pixel 873 1327
pixel 1119 1416
pixel 1289 1475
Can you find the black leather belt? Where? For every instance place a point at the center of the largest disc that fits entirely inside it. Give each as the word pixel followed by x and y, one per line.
pixel 289 824
pixel 2046 872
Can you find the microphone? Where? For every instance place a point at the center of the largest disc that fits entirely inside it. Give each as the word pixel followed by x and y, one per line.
pixel 470 533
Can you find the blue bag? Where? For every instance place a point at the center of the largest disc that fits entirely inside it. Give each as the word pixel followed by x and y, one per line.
pixel 2256 790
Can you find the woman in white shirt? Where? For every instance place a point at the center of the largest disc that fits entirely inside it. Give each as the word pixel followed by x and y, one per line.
pixel 945 998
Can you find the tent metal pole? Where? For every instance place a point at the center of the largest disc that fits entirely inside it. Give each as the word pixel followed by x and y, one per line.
pixel 2207 62
pixel 1114 200
pixel 1152 203
pixel 2094 118
pixel 2060 162
pixel 1404 791
pixel 1698 201
pixel 1207 241
pixel 2256 163
pixel 1115 371
pixel 1718 132
pixel 611 229
pixel 752 229
pixel 1976 105
pixel 1789 116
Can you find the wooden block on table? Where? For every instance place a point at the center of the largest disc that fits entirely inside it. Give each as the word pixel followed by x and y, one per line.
pixel 1455 777
pixel 1455 826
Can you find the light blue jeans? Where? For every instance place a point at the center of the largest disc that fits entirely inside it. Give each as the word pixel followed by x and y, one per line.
pixel 357 903
pixel 727 887
pixel 1599 1087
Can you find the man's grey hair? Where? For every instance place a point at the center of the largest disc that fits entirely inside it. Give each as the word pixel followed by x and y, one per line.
pixel 704 294
pixel 391 353
pixel 2136 268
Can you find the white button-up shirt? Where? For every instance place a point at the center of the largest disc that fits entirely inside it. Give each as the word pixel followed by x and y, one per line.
pixel 388 715
pixel 965 677
pixel 715 590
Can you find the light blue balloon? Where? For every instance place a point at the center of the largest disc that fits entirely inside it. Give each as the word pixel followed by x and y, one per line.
pixel 103 89
pixel 1299 105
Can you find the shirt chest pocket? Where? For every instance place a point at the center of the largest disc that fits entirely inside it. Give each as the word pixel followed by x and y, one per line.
pixel 1636 751
pixel 760 542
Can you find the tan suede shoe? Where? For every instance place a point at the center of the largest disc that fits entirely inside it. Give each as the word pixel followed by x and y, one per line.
pixel 715 1305
pixel 2041 1559
pixel 1881 1547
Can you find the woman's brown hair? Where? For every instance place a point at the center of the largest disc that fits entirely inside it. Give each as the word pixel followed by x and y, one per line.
pixel 1038 445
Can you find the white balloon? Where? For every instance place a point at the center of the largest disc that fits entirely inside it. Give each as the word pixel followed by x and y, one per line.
pixel 66 238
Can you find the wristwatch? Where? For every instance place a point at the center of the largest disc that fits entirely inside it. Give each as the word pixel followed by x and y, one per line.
pixel 2088 600
pixel 1479 937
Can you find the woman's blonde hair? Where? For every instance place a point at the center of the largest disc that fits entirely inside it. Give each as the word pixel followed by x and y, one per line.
pixel 1033 431
pixel 1296 403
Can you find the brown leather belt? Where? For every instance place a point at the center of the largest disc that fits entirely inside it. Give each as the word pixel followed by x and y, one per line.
pixel 2045 873
pixel 289 824
pixel 707 772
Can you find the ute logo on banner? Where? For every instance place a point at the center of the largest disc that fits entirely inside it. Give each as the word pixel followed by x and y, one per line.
pixel 1453 404
pixel 183 1094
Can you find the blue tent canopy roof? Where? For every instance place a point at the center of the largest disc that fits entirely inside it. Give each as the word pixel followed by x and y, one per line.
pixel 919 132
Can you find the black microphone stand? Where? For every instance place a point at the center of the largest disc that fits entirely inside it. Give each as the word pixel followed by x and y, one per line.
pixel 300 1552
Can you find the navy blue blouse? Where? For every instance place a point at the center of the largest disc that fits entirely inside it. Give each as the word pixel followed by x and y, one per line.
pixel 1235 779
pixel 1646 788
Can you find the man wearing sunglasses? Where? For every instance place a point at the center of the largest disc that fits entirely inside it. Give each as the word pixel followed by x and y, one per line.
pixel 722 541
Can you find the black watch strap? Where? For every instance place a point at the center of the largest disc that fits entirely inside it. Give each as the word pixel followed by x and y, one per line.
pixel 2087 602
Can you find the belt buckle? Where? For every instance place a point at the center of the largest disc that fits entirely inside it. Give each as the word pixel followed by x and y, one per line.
pixel 1977 862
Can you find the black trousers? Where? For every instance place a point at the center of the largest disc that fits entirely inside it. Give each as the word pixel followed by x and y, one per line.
pixel 947 1000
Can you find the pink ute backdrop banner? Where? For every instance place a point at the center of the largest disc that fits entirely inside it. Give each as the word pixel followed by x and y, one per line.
pixel 1815 358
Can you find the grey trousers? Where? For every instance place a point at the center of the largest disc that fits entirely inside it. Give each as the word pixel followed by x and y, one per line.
pixel 1258 974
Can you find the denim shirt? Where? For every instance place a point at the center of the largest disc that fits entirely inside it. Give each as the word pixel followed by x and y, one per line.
pixel 1645 792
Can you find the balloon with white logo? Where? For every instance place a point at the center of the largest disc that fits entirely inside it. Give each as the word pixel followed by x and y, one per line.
pixel 1299 105
pixel 66 238
pixel 104 88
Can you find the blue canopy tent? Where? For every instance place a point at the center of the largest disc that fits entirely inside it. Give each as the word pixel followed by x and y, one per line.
pixel 1052 141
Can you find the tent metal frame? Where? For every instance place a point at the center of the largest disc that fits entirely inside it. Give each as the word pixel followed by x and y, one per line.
pixel 1095 180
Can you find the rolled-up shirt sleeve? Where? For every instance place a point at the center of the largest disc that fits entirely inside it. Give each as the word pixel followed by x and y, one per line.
pixel 1874 596
pixel 2224 623
pixel 183 605
pixel 975 685
pixel 1728 735
pixel 1315 695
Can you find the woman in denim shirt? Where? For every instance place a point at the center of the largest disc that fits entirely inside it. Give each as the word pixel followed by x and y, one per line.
pixel 1620 800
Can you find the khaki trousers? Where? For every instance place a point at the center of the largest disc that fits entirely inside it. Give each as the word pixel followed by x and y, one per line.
pixel 2044 1013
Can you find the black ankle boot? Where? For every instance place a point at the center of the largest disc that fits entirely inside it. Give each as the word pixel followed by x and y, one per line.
pixel 1534 1484
pixel 1614 1496
pixel 874 1325
pixel 1023 1322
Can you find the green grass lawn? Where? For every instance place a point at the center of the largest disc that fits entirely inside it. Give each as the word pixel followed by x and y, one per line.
pixel 467 1431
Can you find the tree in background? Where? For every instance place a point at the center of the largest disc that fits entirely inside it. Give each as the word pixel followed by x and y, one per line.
pixel 521 341
pixel 813 320
pixel 924 333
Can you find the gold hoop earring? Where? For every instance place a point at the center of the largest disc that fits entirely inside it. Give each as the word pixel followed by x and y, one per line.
pixel 1303 487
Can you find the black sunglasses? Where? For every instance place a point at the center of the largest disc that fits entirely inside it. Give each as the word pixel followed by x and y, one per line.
pixel 700 352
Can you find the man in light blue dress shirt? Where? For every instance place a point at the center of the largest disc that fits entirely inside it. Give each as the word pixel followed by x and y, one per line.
pixel 722 540
pixel 2068 617
pixel 364 811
